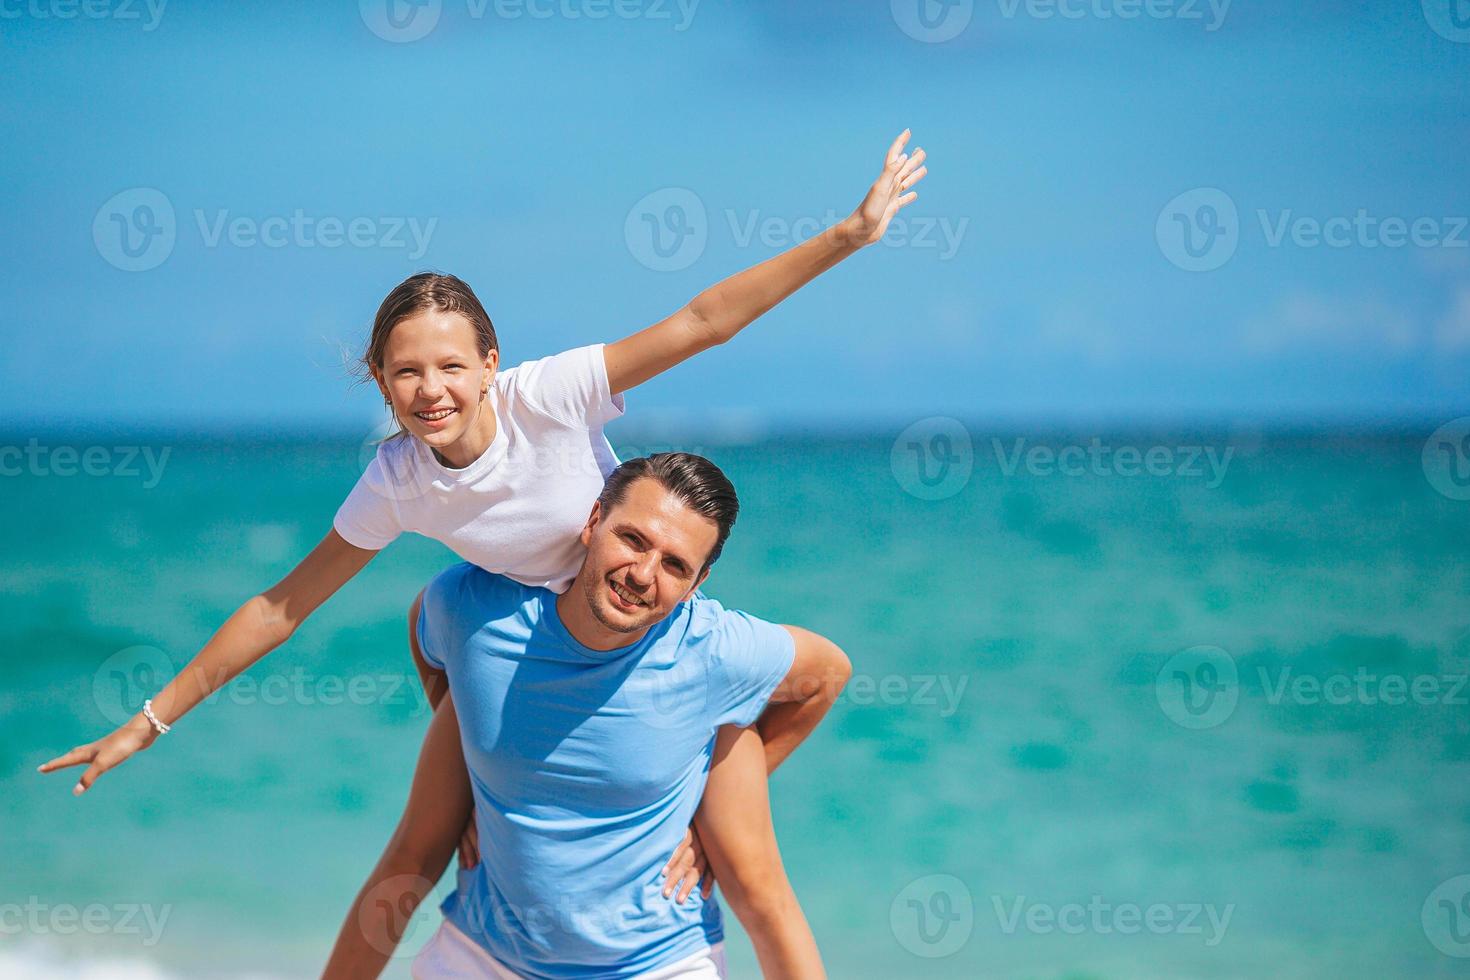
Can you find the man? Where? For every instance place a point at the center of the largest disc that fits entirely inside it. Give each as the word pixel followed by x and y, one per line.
pixel 587 722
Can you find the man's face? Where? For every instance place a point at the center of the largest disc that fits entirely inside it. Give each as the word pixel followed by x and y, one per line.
pixel 644 557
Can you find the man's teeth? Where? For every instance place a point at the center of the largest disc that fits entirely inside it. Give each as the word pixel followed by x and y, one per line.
pixel 435 416
pixel 626 596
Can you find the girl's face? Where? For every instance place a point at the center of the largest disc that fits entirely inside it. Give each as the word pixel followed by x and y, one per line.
pixel 434 375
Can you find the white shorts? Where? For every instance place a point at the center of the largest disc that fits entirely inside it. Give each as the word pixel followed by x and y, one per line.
pixel 450 953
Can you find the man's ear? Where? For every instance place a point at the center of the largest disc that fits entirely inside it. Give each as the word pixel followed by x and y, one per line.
pixel 591 525
pixel 695 587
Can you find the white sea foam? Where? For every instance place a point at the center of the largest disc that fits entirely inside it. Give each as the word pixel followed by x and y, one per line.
pixel 43 961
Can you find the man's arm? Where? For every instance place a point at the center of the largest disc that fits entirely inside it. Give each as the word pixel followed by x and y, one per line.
pixel 416 855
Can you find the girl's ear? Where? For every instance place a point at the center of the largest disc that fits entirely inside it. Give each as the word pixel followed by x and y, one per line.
pixel 492 362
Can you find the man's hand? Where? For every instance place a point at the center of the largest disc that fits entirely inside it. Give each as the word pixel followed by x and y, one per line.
pixel 687 868
pixel 886 197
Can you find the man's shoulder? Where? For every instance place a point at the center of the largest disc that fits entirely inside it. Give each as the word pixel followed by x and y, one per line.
pixel 706 619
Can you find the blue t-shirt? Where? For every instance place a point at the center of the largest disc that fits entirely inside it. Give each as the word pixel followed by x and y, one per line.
pixel 586 768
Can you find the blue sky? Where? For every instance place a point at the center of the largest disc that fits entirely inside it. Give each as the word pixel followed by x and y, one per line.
pixel 1039 275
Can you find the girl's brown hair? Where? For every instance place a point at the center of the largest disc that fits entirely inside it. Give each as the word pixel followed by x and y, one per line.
pixel 418 294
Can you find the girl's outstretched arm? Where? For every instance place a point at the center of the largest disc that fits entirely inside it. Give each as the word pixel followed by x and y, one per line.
pixel 734 822
pixel 263 623
pixel 726 308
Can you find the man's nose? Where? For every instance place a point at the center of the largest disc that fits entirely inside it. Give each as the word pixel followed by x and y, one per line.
pixel 642 571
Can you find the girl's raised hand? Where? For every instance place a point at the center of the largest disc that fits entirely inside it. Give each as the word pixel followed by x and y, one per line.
pixel 890 192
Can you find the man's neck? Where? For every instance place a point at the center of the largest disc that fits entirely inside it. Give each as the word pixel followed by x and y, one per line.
pixel 587 629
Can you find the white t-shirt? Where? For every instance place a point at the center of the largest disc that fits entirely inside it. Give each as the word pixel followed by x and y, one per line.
pixel 518 509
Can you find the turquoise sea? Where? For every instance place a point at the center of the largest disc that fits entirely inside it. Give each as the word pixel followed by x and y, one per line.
pixel 1109 722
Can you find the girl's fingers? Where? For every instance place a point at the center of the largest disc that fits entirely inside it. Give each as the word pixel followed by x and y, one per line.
pixel 690 880
pixel 914 178
pixel 896 148
pixel 88 778
pixel 912 163
pixel 78 755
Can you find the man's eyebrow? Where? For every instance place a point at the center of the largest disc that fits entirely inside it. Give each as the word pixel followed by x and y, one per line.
pixel 626 528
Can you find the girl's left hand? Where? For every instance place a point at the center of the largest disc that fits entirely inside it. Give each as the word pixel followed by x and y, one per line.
pixel 688 869
pixel 889 192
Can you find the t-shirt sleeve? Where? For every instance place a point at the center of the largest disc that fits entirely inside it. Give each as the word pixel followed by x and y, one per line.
pixel 572 387
pixel 430 639
pixel 749 658
pixel 368 518
pixel 436 625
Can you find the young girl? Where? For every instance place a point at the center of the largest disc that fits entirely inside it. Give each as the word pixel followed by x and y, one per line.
pixel 500 466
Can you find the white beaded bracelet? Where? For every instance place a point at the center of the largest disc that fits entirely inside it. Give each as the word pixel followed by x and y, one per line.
pixel 158 726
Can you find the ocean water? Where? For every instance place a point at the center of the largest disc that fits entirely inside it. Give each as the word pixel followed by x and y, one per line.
pixel 1106 723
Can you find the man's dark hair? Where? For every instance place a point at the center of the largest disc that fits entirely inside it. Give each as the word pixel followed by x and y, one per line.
pixel 693 479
